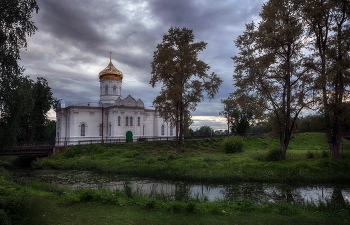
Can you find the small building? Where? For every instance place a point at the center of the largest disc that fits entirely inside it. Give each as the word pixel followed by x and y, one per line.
pixel 112 119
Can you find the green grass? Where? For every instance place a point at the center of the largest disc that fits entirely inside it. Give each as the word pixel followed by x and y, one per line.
pixel 308 161
pixel 44 210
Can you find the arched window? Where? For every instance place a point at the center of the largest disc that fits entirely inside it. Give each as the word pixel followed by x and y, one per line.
pixel 138 121
pixel 162 129
pixel 127 121
pixel 110 130
pixel 118 120
pixel 131 121
pixel 114 90
pixel 106 90
pixel 82 130
pixel 100 90
pixel 100 131
pixel 171 130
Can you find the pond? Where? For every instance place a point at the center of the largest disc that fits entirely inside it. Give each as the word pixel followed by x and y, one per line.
pixel 258 192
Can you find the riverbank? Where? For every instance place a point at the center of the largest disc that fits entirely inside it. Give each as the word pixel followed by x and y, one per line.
pixel 308 161
pixel 43 203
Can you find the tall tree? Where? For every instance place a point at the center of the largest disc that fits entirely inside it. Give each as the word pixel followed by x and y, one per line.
pixel 328 23
pixel 15 101
pixel 271 64
pixel 184 78
pixel 33 124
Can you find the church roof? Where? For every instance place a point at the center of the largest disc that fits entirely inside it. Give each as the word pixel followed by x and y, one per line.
pixel 110 72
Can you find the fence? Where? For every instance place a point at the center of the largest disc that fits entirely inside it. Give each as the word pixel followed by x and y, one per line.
pixel 147 139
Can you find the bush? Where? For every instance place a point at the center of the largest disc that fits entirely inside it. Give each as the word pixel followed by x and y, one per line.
pixel 325 154
pixel 309 155
pixel 274 155
pixel 13 202
pixel 233 144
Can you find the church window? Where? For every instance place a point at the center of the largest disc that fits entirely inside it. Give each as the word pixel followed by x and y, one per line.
pixel 171 130
pixel 110 130
pixel 100 131
pixel 118 120
pixel 131 121
pixel 106 90
pixel 127 121
pixel 100 90
pixel 82 130
pixel 114 90
pixel 138 121
pixel 162 129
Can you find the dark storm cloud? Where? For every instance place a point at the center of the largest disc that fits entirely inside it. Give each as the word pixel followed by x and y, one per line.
pixel 64 19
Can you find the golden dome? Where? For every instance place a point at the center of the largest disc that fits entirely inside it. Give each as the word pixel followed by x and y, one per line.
pixel 110 72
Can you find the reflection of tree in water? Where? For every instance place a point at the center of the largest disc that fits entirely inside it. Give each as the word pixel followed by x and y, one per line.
pixel 182 191
pixel 252 191
pixel 285 193
pixel 259 192
pixel 337 196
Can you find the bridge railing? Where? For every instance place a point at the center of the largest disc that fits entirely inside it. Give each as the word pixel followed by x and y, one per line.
pixel 35 143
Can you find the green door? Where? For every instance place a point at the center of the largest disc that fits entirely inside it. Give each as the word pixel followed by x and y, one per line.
pixel 128 136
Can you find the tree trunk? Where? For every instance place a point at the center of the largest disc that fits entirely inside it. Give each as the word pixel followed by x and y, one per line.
pixel 179 141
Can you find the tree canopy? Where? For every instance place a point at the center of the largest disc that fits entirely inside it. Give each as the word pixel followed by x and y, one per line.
pixel 33 124
pixel 297 58
pixel 328 26
pixel 183 76
pixel 242 111
pixel 270 64
pixel 15 88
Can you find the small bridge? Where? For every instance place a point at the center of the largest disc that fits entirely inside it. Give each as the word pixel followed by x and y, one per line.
pixel 38 149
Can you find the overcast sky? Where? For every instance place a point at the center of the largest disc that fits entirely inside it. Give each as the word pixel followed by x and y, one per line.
pixel 74 39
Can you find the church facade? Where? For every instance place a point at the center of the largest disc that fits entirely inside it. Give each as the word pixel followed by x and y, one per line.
pixel 112 119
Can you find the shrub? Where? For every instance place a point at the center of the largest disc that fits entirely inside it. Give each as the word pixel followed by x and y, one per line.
pixel 233 144
pixel 130 154
pixel 309 154
pixel 274 155
pixel 13 202
pixel 325 154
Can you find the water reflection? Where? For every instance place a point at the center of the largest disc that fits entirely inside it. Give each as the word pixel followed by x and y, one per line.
pixel 179 190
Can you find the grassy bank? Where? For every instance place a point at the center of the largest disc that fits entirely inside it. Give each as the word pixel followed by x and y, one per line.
pixel 48 204
pixel 308 161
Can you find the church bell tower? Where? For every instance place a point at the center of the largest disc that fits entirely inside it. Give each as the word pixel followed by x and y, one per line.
pixel 110 83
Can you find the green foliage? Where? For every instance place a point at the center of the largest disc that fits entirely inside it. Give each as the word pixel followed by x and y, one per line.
pixel 13 202
pixel 309 154
pixel 233 144
pixel 280 209
pixel 203 131
pixel 176 65
pixel 130 154
pixel 15 94
pixel 274 155
pixel 242 110
pixel 34 124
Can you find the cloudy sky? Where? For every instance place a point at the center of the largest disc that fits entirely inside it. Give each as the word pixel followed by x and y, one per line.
pixel 74 39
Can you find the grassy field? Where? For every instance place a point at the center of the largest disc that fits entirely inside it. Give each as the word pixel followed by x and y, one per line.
pixel 308 161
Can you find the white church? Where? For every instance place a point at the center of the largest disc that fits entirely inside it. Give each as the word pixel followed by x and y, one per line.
pixel 112 119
